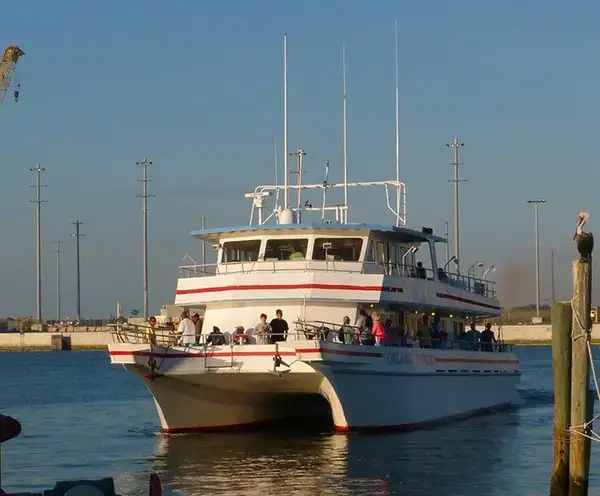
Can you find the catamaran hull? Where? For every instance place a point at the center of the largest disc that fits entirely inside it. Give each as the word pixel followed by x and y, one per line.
pixel 383 388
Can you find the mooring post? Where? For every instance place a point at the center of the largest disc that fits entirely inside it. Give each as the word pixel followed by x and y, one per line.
pixel 580 443
pixel 561 367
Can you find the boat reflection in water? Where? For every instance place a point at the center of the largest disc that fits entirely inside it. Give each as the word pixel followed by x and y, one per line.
pixel 464 458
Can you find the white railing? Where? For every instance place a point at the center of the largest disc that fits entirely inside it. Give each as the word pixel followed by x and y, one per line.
pixel 474 285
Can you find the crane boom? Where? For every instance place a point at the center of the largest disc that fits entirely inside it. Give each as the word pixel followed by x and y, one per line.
pixel 8 64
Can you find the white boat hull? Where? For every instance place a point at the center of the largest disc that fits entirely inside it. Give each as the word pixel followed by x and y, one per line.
pixel 237 387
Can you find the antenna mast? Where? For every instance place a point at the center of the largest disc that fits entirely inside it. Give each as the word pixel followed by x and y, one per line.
pixel 345 140
pixel 299 154
pixel 285 130
pixel 398 192
pixel 325 186
pixel 456 146
pixel 144 164
pixel 38 205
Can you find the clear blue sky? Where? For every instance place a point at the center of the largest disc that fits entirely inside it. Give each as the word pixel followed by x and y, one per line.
pixel 196 87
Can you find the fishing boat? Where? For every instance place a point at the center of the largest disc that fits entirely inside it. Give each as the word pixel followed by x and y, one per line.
pixel 302 255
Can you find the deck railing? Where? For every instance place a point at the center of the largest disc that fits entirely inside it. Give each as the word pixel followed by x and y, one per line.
pixel 474 285
pixel 311 330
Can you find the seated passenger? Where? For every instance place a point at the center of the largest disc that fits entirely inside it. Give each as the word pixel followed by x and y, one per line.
pixel 297 255
pixel 442 276
pixel 216 337
pixel 238 336
pixel 421 272
pixel 262 330
pixel 487 338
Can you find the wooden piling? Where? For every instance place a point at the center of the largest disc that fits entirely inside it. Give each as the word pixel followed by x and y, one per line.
pixel 579 459
pixel 561 366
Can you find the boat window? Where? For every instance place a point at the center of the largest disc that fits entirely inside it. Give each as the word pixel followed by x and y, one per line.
pixel 286 249
pixel 342 249
pixel 241 251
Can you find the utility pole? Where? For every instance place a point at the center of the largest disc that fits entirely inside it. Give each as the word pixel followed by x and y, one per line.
pixel 77 234
pixel 58 243
pixel 456 146
pixel 38 205
pixel 552 274
pixel 299 154
pixel 536 204
pixel 144 164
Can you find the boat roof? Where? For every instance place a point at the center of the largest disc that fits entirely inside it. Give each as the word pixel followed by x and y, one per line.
pixel 409 235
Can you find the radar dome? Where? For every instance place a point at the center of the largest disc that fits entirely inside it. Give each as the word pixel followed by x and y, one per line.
pixel 287 216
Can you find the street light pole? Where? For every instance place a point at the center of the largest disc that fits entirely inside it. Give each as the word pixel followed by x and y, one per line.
pixel 144 164
pixel 38 204
pixel 456 146
pixel 77 234
pixel 58 243
pixel 536 204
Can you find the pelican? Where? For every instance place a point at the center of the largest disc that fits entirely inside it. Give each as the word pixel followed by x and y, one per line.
pixel 583 240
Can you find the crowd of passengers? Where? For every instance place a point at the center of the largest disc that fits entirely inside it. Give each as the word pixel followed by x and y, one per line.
pixel 368 330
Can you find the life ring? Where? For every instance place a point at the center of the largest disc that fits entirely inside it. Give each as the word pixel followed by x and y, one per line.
pixel 240 338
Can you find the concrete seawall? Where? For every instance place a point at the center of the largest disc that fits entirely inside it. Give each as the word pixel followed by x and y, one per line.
pixel 99 339
pixel 36 341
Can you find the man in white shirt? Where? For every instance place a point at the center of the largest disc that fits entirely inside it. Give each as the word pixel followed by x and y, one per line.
pixel 186 330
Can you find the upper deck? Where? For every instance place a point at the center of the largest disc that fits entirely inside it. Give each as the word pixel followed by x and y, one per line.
pixel 294 251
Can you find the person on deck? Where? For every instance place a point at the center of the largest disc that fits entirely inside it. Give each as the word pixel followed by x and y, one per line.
pixel 347 334
pixel 186 330
pixel 262 330
pixel 424 332
pixel 363 329
pixel 487 338
pixel 151 331
pixel 378 330
pixel 279 327
pixel 198 323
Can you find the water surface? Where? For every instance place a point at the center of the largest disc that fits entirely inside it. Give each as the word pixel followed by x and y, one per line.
pixel 84 418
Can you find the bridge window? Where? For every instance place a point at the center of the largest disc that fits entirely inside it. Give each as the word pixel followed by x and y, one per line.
pixel 342 249
pixel 241 251
pixel 286 249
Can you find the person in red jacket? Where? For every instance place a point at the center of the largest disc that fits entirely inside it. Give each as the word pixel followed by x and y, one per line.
pixel 378 329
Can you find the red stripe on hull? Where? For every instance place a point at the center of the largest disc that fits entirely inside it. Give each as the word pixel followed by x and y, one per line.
pixel 202 355
pixel 426 423
pixel 340 352
pixel 474 360
pixel 460 299
pixel 272 287
pixel 215 428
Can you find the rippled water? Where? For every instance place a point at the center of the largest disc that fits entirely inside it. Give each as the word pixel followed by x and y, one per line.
pixel 83 418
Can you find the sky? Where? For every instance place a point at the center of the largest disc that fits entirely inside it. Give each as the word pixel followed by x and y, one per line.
pixel 197 88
